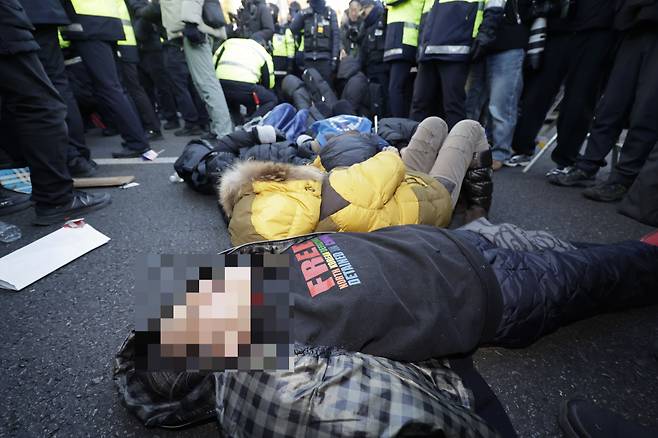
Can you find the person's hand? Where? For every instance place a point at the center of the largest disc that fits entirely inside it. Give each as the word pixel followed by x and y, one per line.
pixel 391 149
pixel 193 34
pixel 343 54
pixel 478 51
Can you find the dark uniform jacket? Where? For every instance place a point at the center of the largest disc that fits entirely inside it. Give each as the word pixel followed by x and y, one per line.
pixel 373 43
pixel 321 33
pixel 15 29
pixel 45 12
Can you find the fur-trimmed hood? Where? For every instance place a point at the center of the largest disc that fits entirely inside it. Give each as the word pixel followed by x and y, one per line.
pixel 236 181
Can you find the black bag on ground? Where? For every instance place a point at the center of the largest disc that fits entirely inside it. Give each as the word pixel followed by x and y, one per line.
pixel 191 166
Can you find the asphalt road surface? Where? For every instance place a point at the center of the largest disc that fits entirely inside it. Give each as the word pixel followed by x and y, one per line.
pixel 59 335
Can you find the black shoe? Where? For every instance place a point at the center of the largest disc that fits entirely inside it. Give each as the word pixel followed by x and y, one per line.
pixel 81 204
pixel 583 419
pixel 171 124
pixel 129 153
pixel 80 167
pixel 571 177
pixel 152 135
pixel 110 132
pixel 478 185
pixel 11 202
pixel 606 192
pixel 189 131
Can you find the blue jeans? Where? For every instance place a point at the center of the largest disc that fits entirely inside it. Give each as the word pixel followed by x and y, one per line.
pixel 498 79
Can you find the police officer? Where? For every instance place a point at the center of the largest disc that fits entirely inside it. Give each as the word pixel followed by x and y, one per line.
pixel 46 16
pixel 319 27
pixel 445 46
pixel 246 73
pixel 38 113
pixel 371 51
pixel 283 47
pixel 96 27
pixel 255 19
pixel 402 25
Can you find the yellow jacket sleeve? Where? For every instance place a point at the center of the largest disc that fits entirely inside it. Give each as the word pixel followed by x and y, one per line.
pixel 370 184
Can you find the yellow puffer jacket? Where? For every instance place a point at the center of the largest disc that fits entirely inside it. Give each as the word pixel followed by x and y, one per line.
pixel 268 201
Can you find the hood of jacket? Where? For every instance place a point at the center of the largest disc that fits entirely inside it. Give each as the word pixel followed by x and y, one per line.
pixel 239 179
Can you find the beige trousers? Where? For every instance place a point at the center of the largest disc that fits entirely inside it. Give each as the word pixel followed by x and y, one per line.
pixel 445 155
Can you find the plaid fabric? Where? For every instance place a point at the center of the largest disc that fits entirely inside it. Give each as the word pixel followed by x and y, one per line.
pixel 17 180
pixel 329 393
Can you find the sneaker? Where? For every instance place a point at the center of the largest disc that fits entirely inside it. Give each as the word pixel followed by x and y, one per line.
pixel 606 192
pixel 559 170
pixel 152 135
pixel 496 165
pixel 571 177
pixel 189 131
pixel 81 204
pixel 129 153
pixel 651 238
pixel 12 202
pixel 80 167
pixel 171 124
pixel 518 160
pixel 582 419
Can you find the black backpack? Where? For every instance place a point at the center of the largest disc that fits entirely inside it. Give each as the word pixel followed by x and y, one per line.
pixel 191 166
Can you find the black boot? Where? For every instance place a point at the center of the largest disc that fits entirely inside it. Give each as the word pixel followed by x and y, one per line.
pixel 583 419
pixel 477 187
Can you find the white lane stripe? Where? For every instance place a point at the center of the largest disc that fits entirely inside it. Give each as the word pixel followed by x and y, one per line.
pixel 159 160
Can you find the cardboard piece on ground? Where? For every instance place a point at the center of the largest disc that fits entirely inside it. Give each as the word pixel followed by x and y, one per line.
pixel 108 181
pixel 38 259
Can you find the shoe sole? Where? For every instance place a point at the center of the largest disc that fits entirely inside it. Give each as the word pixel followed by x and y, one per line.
pixel 55 219
pixel 601 199
pixel 516 164
pixel 556 182
pixel 563 421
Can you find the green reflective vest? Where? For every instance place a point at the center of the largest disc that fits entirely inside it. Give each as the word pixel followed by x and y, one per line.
pixel 242 60
pixel 98 8
pixel 283 45
pixel 402 26
pixel 130 39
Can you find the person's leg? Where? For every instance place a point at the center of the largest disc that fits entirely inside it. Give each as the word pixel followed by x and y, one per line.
pixel 540 90
pixel 177 69
pixel 505 79
pixel 456 154
pixel 426 90
pixel 588 53
pixel 38 119
pixel 238 93
pixel 143 104
pixel 453 82
pixel 323 66
pixel 267 99
pixel 52 60
pixel 98 57
pixel 152 63
pixel 643 130
pixel 199 61
pixel 547 289
pixel 397 88
pixel 424 145
pixel 476 90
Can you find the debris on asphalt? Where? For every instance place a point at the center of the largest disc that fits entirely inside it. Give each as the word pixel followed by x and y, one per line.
pixel 129 185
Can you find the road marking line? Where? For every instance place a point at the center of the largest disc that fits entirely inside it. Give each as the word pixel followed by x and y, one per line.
pixel 159 160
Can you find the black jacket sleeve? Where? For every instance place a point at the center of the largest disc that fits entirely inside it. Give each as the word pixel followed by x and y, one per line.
pixel 266 22
pixel 297 25
pixel 237 140
pixel 335 50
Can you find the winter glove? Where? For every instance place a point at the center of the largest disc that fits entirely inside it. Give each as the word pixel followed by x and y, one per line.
pixel 491 21
pixel 266 134
pixel 193 34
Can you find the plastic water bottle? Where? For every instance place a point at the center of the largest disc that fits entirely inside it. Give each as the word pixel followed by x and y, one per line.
pixel 9 233
pixel 174 178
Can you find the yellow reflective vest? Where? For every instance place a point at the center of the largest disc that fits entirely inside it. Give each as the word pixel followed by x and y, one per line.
pixel 402 26
pixel 244 60
pixel 95 20
pixel 283 51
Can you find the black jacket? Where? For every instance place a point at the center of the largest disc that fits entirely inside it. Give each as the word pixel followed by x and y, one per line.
pixel 637 13
pixel 514 30
pixel 255 17
pixel 146 32
pixel 373 43
pixel 586 15
pixel 397 131
pixel 351 148
pixel 45 12
pixel 353 86
pixel 443 295
pixel 294 91
pixel 15 29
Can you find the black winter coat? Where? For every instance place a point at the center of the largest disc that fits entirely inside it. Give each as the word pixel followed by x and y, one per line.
pixel 397 131
pixel 294 91
pixel 15 29
pixel 45 12
pixel 635 13
pixel 354 85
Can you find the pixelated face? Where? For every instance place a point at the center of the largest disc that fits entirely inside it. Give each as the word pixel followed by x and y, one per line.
pixel 354 11
pixel 217 317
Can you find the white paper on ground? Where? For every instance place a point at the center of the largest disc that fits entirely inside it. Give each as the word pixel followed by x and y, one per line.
pixel 38 259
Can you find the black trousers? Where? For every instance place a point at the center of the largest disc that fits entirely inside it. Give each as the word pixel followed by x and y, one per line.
pixel 98 57
pixel 439 90
pixel 52 60
pixel 577 61
pixel 399 97
pixel 151 64
pixel 242 93
pixel 321 65
pixel 143 105
pixel 188 101
pixel 37 114
pixel 381 78
pixel 631 94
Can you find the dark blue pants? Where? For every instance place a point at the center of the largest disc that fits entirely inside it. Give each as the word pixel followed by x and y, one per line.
pixel 543 290
pixel 189 103
pixel 151 65
pixel 398 88
pixel 98 57
pixel 242 93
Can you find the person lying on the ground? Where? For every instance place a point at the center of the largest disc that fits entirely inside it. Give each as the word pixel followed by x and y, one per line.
pixel 267 200
pixel 368 310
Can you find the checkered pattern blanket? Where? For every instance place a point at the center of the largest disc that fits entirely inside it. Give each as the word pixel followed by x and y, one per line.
pixel 329 393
